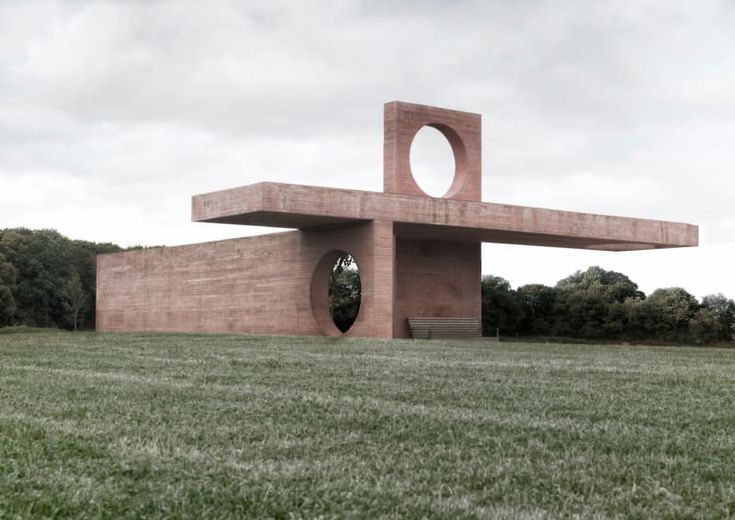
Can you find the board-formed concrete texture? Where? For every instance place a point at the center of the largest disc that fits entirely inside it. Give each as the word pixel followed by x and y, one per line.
pixel 418 256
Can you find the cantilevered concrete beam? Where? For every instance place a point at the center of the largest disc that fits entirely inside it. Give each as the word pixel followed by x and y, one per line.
pixel 306 207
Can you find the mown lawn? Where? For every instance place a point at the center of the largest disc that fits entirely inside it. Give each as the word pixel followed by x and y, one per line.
pixel 155 425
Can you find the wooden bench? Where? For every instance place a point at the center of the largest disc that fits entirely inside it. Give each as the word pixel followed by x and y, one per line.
pixel 445 328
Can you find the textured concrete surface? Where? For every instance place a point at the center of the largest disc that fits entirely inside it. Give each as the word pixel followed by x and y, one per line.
pixel 463 131
pixel 436 279
pixel 290 205
pixel 418 256
pixel 264 284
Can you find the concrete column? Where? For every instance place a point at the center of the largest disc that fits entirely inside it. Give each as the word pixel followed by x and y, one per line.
pixel 384 245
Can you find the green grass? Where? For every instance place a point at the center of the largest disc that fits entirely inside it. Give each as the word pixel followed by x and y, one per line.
pixel 154 425
pixel 24 329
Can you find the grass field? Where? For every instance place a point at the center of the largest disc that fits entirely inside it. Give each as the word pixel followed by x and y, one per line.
pixel 154 425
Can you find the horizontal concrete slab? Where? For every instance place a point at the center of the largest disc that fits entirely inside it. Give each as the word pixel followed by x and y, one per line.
pixel 305 207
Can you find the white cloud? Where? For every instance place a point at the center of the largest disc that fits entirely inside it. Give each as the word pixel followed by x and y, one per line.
pixel 112 114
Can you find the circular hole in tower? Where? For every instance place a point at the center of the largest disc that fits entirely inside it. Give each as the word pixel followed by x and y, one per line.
pixel 432 161
pixel 344 292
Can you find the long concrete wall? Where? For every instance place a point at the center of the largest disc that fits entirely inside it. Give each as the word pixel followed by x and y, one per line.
pixel 259 284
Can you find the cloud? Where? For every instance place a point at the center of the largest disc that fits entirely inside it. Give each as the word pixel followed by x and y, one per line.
pixel 112 114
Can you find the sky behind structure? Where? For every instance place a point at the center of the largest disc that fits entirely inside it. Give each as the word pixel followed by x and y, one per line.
pixel 112 114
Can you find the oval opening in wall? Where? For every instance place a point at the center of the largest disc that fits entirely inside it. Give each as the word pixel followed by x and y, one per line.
pixel 344 292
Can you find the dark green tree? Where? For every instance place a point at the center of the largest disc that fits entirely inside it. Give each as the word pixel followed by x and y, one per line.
pixel 626 320
pixel 668 312
pixel 42 260
pixel 75 300
pixel 84 258
pixel 592 304
pixel 610 286
pixel 344 292
pixel 537 303
pixel 585 314
pixel 714 321
pixel 7 285
pixel 500 307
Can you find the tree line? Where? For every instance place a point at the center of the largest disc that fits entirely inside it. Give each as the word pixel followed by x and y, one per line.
pixel 48 280
pixel 605 305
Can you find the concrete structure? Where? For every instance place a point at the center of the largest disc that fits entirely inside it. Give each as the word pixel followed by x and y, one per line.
pixel 418 255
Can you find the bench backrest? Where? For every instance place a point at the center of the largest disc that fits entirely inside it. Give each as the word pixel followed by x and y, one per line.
pixel 448 328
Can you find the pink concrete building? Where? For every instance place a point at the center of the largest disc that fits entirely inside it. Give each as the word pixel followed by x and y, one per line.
pixel 418 256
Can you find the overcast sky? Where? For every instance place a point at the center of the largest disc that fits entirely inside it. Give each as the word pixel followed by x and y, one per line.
pixel 112 114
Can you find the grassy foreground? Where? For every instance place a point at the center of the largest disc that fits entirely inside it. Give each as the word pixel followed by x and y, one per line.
pixel 154 425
